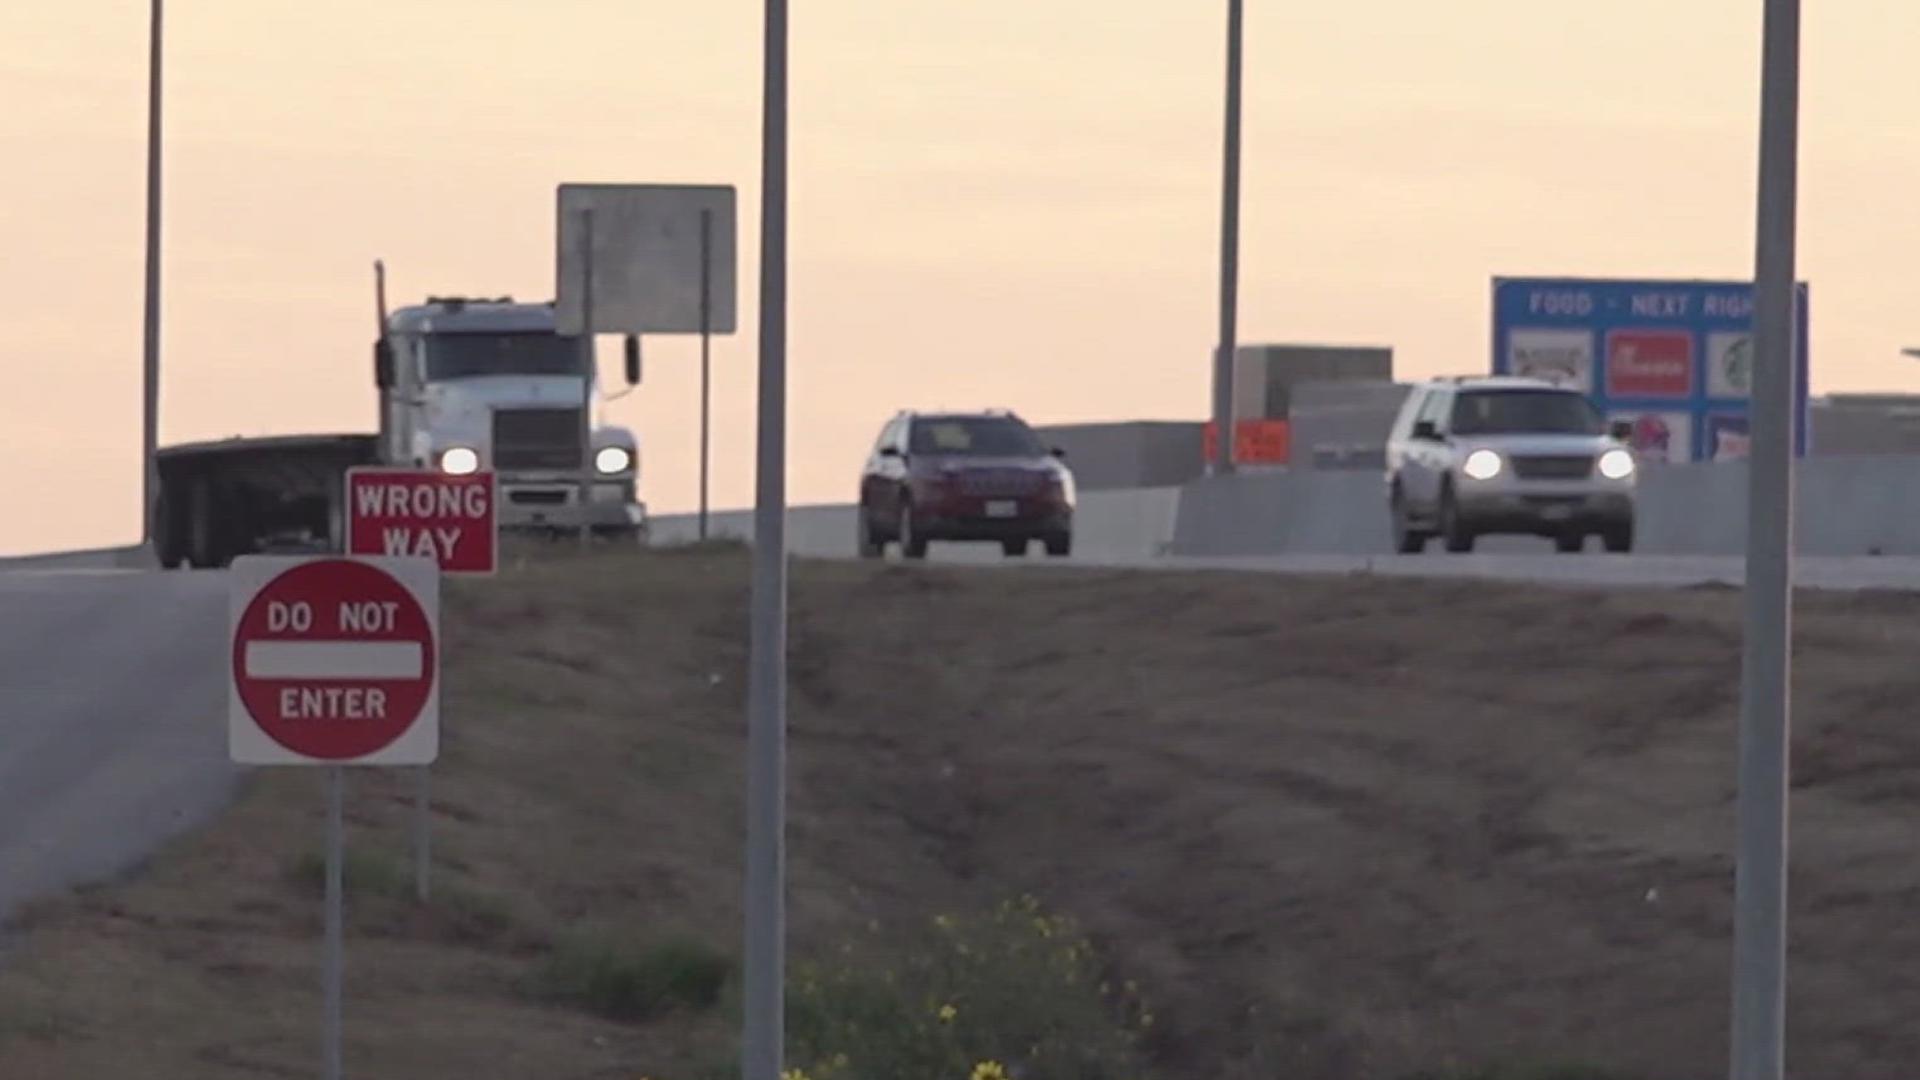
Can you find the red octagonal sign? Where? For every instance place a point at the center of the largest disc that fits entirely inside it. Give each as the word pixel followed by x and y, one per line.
pixel 335 661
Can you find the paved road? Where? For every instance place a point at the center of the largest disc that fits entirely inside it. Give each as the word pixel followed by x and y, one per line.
pixel 112 720
pixel 1846 574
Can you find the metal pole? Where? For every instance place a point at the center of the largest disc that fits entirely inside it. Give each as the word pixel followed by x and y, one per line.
pixel 587 367
pixel 706 338
pixel 150 376
pixel 423 835
pixel 1223 355
pixel 764 1033
pixel 1760 886
pixel 334 956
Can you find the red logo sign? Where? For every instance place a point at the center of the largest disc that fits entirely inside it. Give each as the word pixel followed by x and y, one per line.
pixel 419 512
pixel 334 660
pixel 1649 363
pixel 1255 442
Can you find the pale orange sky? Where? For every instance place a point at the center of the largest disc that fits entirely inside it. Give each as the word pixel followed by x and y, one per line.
pixel 997 202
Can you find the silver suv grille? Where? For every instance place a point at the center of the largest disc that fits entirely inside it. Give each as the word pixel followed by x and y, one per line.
pixel 536 438
pixel 1557 467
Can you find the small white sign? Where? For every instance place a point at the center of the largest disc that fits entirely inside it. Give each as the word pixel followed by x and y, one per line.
pixel 647 258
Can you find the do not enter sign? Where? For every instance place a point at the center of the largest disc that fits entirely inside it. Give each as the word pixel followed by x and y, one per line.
pixel 335 661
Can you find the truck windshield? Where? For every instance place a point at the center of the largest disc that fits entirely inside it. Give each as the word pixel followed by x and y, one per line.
pixel 467 356
pixel 1525 412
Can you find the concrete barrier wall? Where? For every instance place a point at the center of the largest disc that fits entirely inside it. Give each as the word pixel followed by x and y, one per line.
pixel 1844 506
pixel 1107 524
pixel 130 557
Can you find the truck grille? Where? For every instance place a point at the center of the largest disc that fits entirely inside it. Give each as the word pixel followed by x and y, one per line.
pixel 1570 467
pixel 536 439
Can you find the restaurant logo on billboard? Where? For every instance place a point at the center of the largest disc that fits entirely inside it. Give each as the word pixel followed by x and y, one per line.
pixel 1649 363
pixel 1561 357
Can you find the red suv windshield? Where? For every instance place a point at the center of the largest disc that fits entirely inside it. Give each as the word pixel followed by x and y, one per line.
pixel 974 436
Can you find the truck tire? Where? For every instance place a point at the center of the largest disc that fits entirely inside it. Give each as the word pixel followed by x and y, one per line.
pixel 206 546
pixel 169 533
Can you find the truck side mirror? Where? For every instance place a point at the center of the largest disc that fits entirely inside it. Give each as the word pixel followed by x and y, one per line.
pixel 633 360
pixel 383 364
pixel 1621 430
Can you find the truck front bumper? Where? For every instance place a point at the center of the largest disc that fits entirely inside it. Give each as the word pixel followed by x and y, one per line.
pixel 540 504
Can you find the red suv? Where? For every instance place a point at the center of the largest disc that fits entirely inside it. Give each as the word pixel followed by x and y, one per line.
pixel 964 476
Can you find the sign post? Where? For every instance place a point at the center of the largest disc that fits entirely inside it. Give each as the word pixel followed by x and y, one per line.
pixel 424 513
pixel 650 259
pixel 334 662
pixel 1758 1049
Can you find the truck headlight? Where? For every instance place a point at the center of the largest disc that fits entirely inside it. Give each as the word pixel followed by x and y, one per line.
pixel 1616 464
pixel 613 459
pixel 1482 465
pixel 459 461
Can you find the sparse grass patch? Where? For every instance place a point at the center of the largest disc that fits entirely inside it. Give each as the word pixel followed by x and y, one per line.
pixel 1019 992
pixel 623 979
pixel 363 872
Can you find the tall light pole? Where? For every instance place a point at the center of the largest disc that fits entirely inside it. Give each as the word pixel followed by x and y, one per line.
pixel 150 374
pixel 1760 880
pixel 1222 462
pixel 763 1037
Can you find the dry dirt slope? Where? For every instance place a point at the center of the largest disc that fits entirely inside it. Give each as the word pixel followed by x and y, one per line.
pixel 1339 828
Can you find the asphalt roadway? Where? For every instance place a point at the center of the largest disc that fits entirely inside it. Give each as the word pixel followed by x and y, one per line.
pixel 113 703
pixel 112 721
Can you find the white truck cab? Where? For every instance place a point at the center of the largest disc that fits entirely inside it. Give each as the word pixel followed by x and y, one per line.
pixel 470 384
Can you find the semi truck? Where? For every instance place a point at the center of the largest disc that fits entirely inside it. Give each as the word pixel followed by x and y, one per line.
pixel 463 384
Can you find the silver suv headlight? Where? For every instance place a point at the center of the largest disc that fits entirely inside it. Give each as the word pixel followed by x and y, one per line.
pixel 1482 465
pixel 1616 464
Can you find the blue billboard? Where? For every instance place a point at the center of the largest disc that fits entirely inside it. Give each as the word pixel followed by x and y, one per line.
pixel 1674 358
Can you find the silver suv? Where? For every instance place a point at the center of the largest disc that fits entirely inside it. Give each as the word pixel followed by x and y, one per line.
pixel 1478 456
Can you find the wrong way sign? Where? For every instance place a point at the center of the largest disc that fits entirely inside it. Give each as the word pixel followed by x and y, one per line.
pixel 334 661
pixel 453 520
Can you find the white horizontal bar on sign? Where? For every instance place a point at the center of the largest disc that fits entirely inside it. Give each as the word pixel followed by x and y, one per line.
pixel 334 660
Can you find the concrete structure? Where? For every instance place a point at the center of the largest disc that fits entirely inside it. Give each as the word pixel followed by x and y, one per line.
pixel 1846 506
pixel 1264 376
pixel 1139 454
pixel 1107 525
pixel 1855 424
pixel 1343 425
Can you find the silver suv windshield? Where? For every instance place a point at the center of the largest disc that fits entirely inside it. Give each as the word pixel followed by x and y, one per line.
pixel 1525 412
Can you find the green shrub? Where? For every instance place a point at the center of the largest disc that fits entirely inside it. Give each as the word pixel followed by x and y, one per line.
pixel 1018 993
pixel 625 980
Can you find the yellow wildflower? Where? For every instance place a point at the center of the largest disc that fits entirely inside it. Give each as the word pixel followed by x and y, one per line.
pixel 794 1074
pixel 947 1013
pixel 989 1070
pixel 944 922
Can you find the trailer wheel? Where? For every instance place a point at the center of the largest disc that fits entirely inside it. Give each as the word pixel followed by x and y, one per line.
pixel 169 540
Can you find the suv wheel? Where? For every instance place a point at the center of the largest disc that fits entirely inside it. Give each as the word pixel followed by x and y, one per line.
pixel 912 544
pixel 1458 538
pixel 868 542
pixel 1570 543
pixel 1407 540
pixel 1060 545
pixel 1013 549
pixel 1618 538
